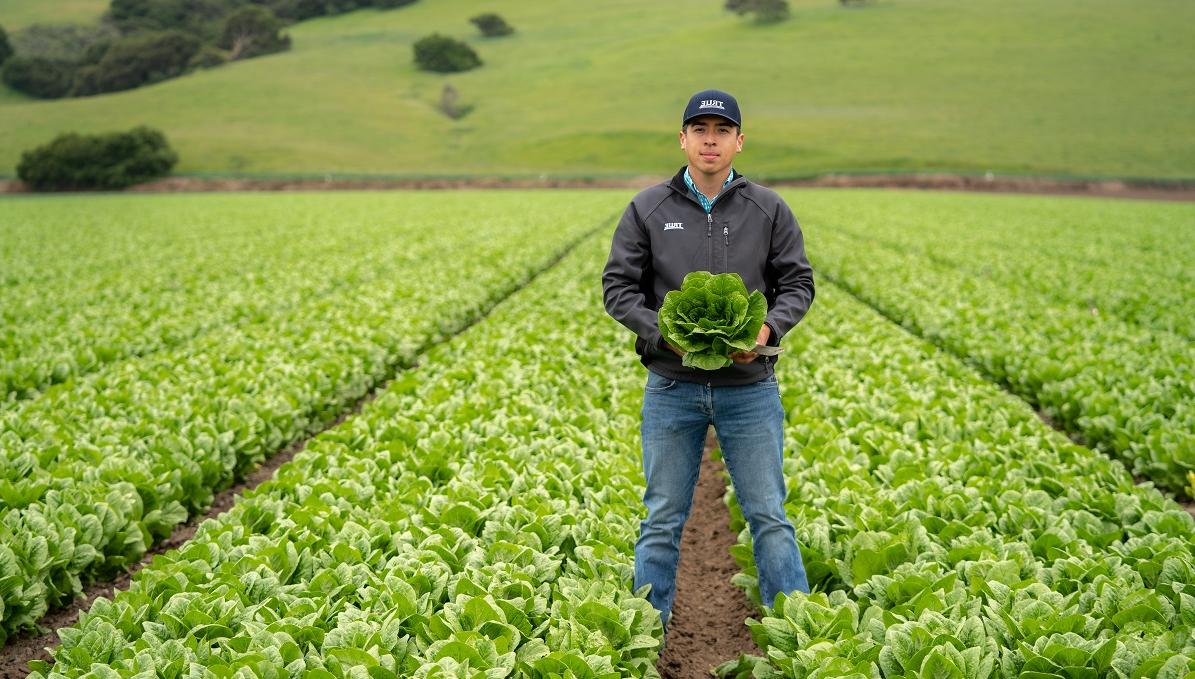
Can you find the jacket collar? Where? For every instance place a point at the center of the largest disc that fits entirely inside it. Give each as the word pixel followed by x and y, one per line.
pixel 677 183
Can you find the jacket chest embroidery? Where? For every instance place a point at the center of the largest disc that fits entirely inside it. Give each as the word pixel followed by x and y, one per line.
pixel 669 226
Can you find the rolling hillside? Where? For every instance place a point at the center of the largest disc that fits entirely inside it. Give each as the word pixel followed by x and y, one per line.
pixel 1049 87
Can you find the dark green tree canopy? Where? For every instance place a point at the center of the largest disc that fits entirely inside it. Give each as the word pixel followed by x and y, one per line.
pixel 5 47
pixel 764 11
pixel 442 54
pixel 100 161
pixel 252 31
pixel 492 25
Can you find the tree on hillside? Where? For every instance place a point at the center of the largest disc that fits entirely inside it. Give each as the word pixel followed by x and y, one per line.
pixel 765 11
pixel 39 76
pixel 443 54
pixel 253 31
pixel 5 47
pixel 138 60
pixel 492 25
pixel 204 18
pixel 65 42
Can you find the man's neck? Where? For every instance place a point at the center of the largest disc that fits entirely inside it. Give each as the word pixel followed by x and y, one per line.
pixel 709 185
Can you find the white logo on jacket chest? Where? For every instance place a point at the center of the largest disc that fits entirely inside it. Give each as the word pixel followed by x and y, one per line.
pixel 674 225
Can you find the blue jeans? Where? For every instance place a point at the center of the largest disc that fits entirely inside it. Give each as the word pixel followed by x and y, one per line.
pixel 749 421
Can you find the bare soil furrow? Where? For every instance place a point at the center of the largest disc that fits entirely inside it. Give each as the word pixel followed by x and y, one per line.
pixel 708 615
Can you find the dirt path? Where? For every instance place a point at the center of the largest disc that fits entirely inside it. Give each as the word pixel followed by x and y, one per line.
pixel 1178 190
pixel 707 617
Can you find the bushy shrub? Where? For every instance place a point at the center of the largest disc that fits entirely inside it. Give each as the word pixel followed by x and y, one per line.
pixel 39 76
pixel 443 54
pixel 208 57
pixel 62 42
pixel 253 31
pixel 5 47
pixel 142 59
pixel 765 11
pixel 492 25
pixel 202 18
pixel 101 161
pixel 298 10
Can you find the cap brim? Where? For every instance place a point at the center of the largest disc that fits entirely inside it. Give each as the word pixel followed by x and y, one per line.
pixel 686 121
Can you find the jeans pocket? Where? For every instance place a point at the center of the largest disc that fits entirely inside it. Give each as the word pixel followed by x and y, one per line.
pixel 658 384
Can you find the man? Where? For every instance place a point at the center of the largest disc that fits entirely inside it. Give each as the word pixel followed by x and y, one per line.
pixel 710 218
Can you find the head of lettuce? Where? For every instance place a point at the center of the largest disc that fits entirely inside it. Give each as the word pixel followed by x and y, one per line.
pixel 711 316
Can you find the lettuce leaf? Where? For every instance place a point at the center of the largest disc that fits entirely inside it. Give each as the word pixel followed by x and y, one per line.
pixel 710 317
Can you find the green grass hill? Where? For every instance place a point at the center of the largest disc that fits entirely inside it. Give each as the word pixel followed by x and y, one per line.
pixel 1049 87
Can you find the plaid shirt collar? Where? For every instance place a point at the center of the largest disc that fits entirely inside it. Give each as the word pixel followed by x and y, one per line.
pixel 706 203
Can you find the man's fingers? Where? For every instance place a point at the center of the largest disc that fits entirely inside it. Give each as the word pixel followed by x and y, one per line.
pixel 743 356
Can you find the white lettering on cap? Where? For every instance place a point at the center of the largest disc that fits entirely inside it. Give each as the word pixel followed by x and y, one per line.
pixel 711 103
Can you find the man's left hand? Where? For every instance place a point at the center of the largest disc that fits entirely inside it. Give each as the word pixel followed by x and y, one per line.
pixel 744 357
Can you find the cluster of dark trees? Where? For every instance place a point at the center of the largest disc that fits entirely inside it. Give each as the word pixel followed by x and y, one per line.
pixel 139 42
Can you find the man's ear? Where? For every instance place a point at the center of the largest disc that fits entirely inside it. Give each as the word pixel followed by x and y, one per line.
pixel 681 136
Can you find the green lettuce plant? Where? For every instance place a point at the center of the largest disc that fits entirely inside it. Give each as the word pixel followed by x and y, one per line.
pixel 711 316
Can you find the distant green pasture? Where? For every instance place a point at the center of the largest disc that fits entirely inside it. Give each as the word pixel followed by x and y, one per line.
pixel 1056 87
pixel 15 14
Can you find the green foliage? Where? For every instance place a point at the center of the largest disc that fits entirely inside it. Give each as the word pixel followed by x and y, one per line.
pixel 764 11
pixel 66 42
pixel 492 25
pixel 350 562
pixel 39 77
pixel 954 534
pixel 253 31
pixel 208 57
pixel 141 59
pixel 330 307
pixel 103 161
pixel 710 317
pixel 443 54
pixel 201 18
pixel 5 46
pixel 1100 343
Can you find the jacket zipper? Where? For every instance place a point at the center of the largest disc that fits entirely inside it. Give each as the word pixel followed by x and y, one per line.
pixel 709 236
pixel 726 234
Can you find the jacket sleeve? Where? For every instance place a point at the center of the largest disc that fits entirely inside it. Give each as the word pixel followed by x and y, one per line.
pixel 789 268
pixel 626 272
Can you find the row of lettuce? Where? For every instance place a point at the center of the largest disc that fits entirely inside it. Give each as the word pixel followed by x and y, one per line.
pixel 1081 308
pixel 950 533
pixel 475 520
pixel 93 471
pixel 89 282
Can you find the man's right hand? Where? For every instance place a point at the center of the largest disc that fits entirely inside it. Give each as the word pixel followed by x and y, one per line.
pixel 676 351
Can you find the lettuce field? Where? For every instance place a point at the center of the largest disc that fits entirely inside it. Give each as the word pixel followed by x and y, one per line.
pixel 990 438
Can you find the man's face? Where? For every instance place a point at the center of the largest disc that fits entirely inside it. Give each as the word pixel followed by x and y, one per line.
pixel 711 143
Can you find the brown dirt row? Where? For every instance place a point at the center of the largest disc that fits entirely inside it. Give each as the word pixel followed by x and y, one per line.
pixel 708 614
pixel 1109 188
pixel 19 650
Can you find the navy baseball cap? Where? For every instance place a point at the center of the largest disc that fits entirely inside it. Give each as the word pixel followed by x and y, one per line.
pixel 712 103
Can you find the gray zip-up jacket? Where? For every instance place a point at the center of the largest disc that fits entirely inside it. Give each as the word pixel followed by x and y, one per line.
pixel 665 234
